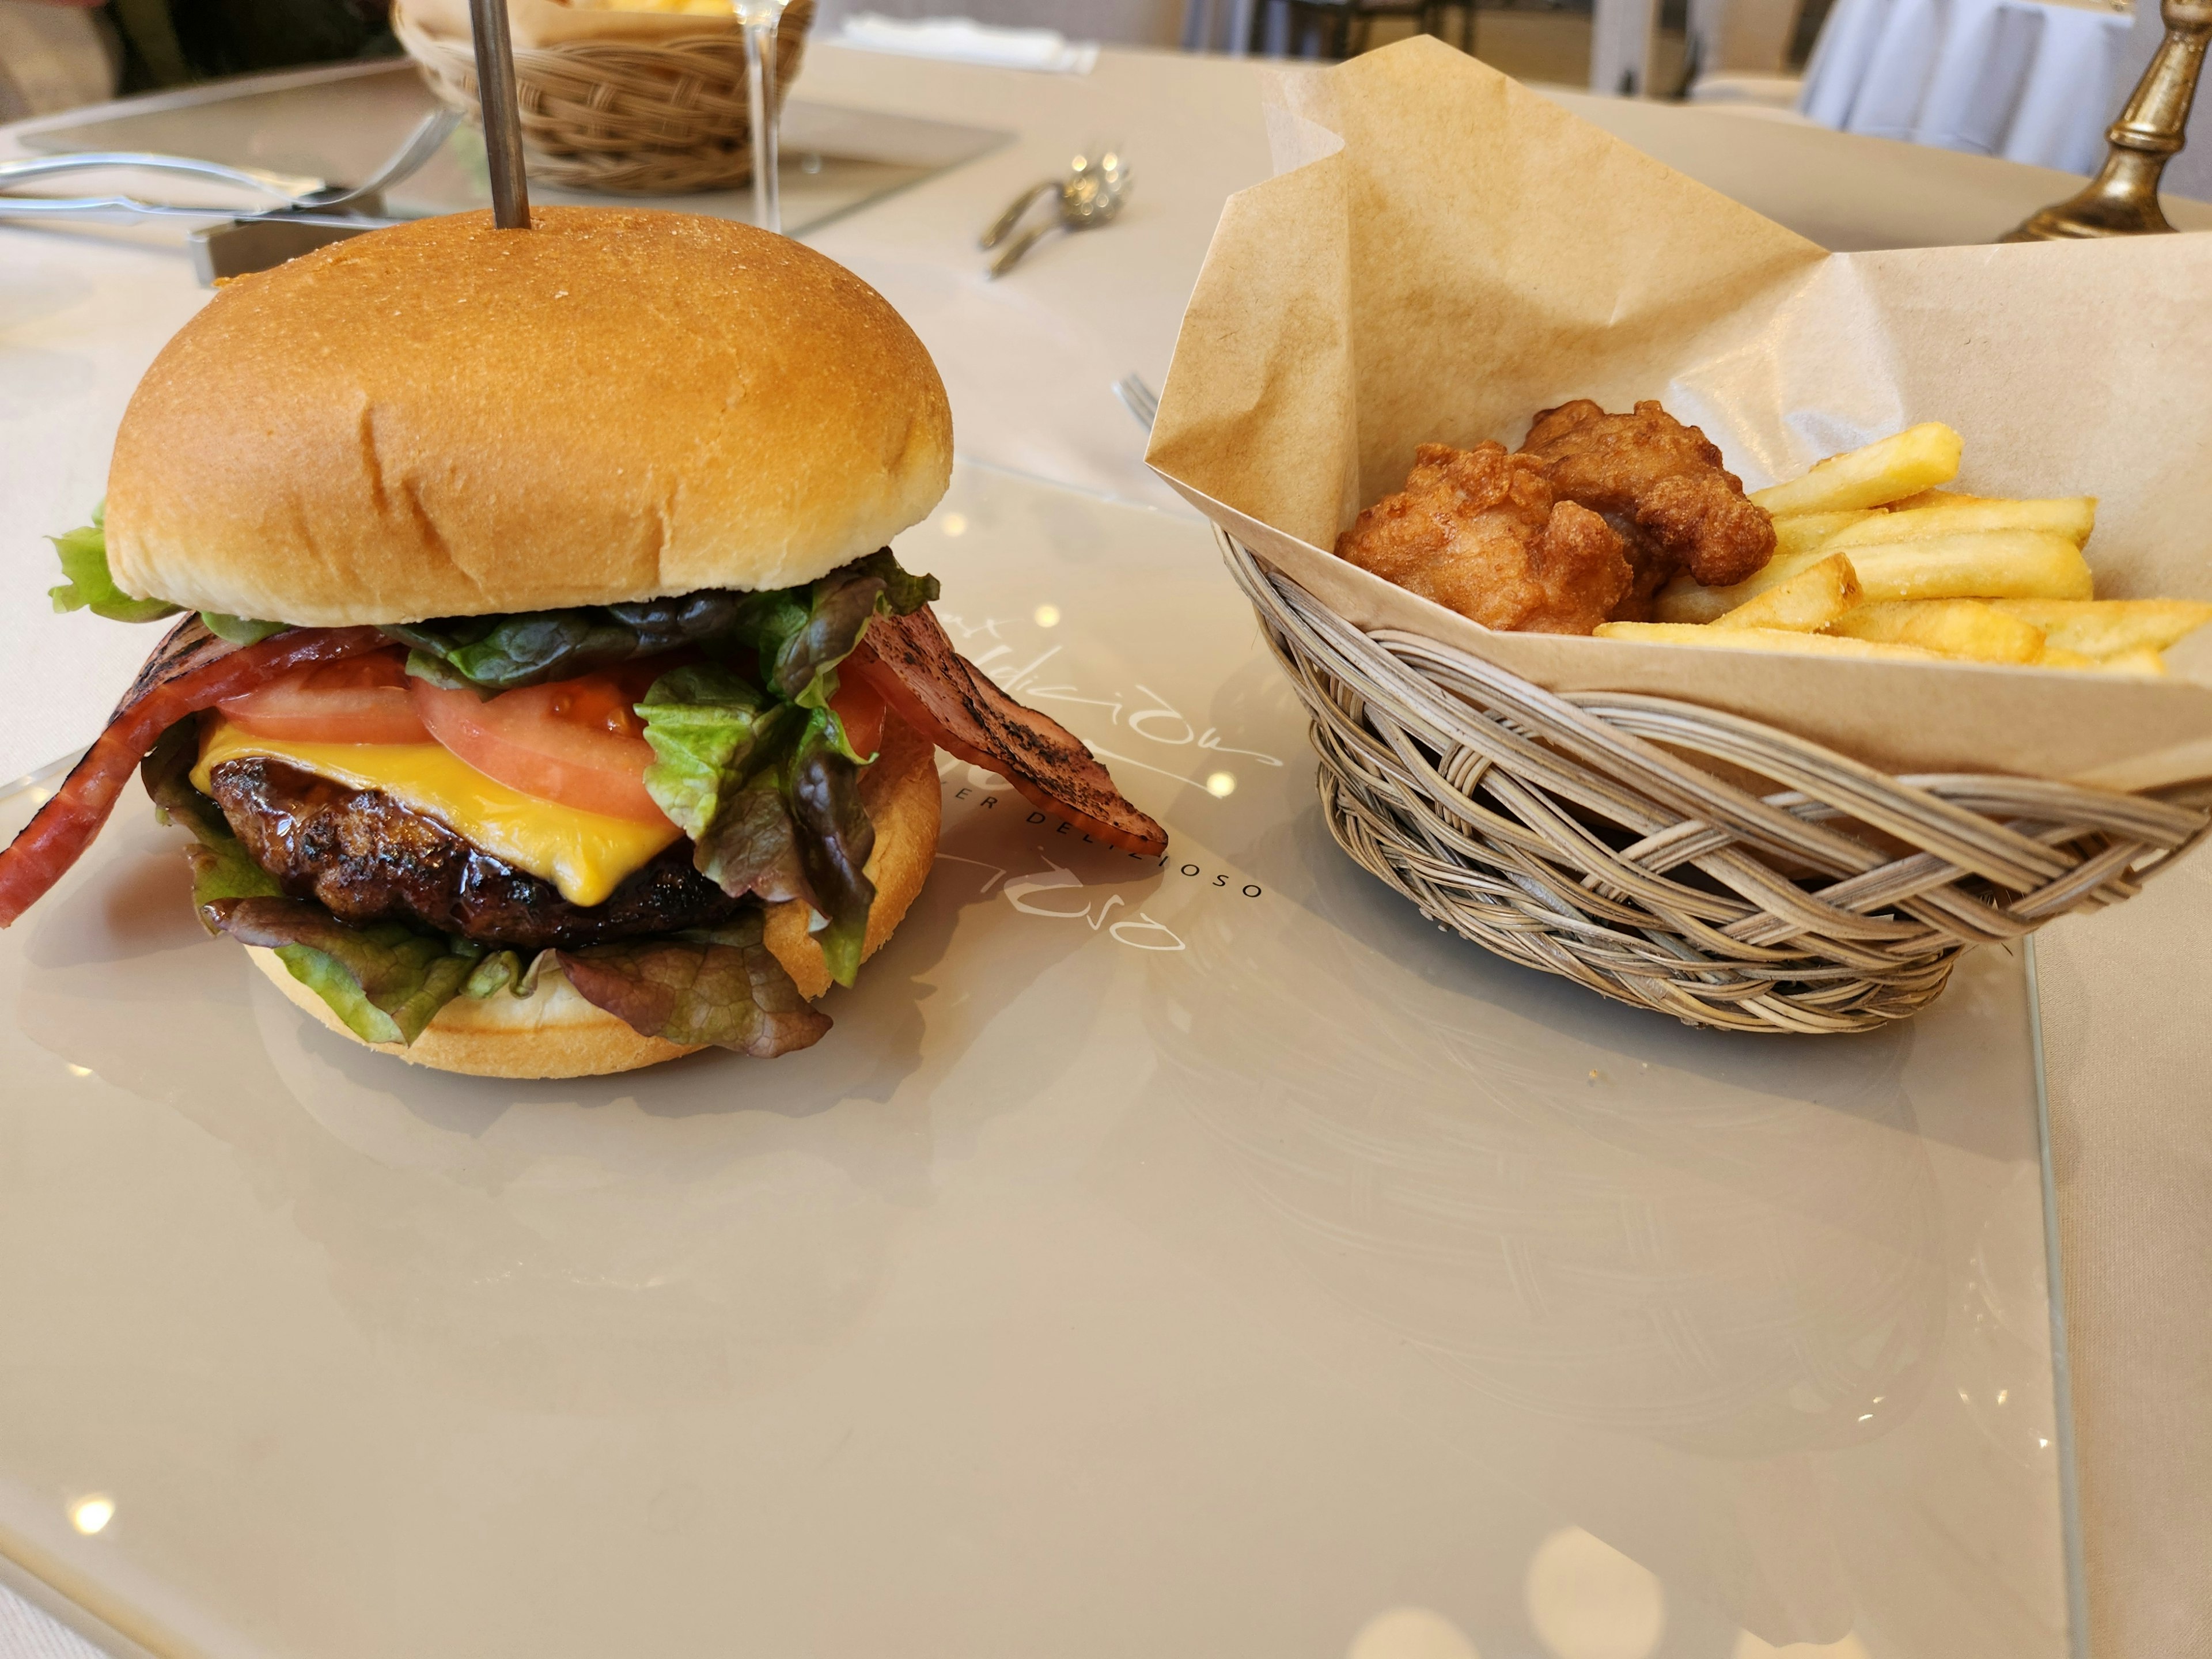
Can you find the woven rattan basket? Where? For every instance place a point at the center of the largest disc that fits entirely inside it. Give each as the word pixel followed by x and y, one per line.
pixel 643 116
pixel 1626 842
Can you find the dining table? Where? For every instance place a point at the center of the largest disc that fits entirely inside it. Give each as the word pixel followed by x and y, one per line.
pixel 1314 1284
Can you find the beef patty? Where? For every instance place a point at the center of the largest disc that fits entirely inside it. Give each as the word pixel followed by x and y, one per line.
pixel 368 858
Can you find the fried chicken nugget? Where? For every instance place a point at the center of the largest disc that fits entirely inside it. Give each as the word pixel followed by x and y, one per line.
pixel 1480 532
pixel 1661 485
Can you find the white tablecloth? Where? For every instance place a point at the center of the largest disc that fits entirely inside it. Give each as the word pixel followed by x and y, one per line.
pixel 2026 80
pixel 1029 363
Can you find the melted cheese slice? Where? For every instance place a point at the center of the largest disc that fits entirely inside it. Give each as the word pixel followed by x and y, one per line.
pixel 584 854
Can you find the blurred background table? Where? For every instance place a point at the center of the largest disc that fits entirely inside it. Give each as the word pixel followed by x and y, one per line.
pixel 1029 363
pixel 2028 80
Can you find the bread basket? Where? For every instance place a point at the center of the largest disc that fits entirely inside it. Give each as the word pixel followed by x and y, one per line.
pixel 651 117
pixel 1680 857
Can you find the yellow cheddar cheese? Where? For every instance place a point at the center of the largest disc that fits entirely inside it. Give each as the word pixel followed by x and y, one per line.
pixel 585 854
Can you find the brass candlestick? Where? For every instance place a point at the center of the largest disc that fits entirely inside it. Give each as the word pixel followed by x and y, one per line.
pixel 2122 200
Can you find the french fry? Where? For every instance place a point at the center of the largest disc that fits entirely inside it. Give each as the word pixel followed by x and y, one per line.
pixel 2142 660
pixel 1807 603
pixel 1889 469
pixel 2111 628
pixel 1798 544
pixel 1932 498
pixel 1760 639
pixel 1683 601
pixel 1982 564
pixel 1874 558
pixel 1952 628
pixel 2072 517
pixel 1807 531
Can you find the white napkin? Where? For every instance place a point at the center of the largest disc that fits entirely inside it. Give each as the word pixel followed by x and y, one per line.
pixel 964 40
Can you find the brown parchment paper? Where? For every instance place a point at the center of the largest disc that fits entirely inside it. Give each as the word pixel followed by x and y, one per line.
pixel 1443 253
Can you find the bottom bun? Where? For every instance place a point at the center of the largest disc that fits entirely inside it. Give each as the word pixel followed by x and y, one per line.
pixel 555 1033
pixel 552 1032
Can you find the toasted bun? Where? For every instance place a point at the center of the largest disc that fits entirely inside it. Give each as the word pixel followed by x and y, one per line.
pixel 552 1032
pixel 448 419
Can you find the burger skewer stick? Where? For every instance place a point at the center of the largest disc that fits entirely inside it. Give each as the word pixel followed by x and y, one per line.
pixel 502 118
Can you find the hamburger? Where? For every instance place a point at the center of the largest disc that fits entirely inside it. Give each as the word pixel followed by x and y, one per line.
pixel 547 699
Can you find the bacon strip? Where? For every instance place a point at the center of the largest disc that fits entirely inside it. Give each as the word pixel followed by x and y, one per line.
pixel 912 666
pixel 190 669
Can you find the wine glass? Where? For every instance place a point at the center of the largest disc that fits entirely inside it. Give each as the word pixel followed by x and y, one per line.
pixel 759 19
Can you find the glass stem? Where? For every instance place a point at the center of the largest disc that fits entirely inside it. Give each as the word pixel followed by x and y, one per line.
pixel 760 96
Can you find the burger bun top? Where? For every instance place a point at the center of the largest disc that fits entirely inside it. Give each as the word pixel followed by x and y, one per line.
pixel 448 419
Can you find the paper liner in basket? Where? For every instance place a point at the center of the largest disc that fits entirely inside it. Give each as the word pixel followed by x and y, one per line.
pixel 1443 254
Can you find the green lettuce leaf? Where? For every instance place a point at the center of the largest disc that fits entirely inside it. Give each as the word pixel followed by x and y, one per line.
pixel 753 846
pixel 88 585
pixel 167 773
pixel 504 970
pixel 719 747
pixel 705 723
pixel 91 585
pixel 241 630
pixel 822 787
pixel 385 980
pixel 800 648
pixel 817 625
pixel 708 985
pixel 504 654
pixel 771 804
pixel 801 662
pixel 903 591
pixel 222 867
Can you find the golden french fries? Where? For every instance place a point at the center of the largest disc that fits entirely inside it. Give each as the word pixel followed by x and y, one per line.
pixel 1760 639
pixel 2141 661
pixel 1799 544
pixel 2008 564
pixel 2072 517
pixel 1874 558
pixel 1889 469
pixel 1969 628
pixel 1683 601
pixel 1806 531
pixel 2111 628
pixel 1932 498
pixel 1816 596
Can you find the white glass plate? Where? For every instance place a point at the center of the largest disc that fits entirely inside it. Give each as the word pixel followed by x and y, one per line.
pixel 1198 1257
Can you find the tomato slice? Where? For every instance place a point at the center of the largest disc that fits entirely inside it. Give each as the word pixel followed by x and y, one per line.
pixel 861 710
pixel 361 699
pixel 577 742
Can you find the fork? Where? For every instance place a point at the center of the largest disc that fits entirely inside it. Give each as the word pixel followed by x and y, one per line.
pixel 296 195
pixel 1094 192
pixel 1139 399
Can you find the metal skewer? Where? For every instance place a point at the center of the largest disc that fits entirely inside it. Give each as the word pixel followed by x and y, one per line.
pixel 502 115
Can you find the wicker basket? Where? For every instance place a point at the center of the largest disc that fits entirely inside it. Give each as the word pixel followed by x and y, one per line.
pixel 651 117
pixel 1612 838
